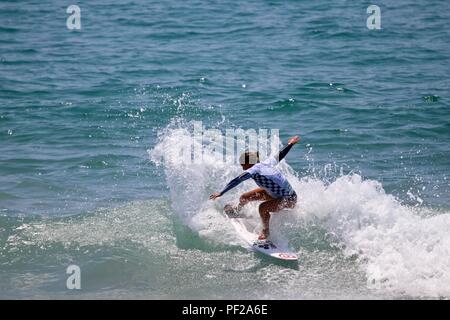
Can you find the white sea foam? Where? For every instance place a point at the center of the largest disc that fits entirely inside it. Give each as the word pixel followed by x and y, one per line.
pixel 402 250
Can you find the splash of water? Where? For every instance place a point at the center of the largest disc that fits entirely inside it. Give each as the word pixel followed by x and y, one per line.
pixel 401 249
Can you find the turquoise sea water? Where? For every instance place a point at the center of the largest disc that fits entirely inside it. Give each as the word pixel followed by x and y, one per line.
pixel 86 117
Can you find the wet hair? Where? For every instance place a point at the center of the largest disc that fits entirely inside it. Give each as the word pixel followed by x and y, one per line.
pixel 249 157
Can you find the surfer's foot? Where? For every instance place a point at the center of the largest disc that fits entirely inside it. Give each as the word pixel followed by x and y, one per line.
pixel 265 233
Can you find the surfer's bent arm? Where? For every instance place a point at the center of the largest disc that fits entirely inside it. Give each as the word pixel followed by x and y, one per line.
pixel 284 152
pixel 286 148
pixel 233 183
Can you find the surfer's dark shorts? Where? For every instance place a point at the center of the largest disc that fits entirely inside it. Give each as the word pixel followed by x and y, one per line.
pixel 292 198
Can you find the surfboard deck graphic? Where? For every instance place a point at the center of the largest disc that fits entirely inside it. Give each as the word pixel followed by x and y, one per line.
pixel 269 248
pixel 263 246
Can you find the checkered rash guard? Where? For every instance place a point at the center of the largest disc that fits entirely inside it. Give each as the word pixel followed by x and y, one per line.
pixel 267 177
pixel 270 179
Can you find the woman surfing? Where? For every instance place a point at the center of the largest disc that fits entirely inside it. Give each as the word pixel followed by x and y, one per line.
pixel 274 189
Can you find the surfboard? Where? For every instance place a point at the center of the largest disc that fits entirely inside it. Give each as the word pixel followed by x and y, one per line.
pixel 266 247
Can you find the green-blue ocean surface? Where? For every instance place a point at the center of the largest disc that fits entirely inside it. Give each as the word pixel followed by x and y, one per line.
pixel 88 118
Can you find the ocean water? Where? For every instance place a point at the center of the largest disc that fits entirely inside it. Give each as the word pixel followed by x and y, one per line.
pixel 91 122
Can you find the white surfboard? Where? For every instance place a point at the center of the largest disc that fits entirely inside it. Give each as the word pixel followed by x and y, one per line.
pixel 264 246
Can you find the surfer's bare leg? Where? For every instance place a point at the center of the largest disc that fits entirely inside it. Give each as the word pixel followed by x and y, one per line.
pixel 258 194
pixel 267 207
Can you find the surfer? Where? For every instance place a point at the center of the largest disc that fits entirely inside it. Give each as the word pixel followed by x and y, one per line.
pixel 274 189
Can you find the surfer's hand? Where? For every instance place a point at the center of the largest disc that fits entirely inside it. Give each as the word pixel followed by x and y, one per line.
pixel 294 140
pixel 214 196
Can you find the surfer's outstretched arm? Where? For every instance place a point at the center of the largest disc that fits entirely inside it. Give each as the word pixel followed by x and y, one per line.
pixel 233 183
pixel 286 148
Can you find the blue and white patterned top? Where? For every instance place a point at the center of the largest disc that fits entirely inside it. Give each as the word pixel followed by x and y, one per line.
pixel 270 178
pixel 267 177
